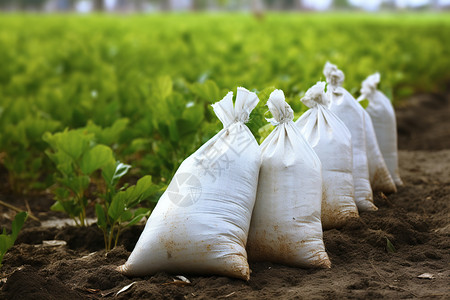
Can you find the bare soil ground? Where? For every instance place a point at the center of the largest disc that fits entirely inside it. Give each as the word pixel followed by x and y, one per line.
pixel 416 220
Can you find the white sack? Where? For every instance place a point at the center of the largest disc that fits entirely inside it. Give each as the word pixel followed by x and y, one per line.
pixel 200 224
pixel 380 178
pixel 286 225
pixel 383 117
pixel 331 140
pixel 352 114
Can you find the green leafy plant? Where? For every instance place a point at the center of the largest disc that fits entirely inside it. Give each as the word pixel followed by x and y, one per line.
pixel 8 240
pixel 117 210
pixel 23 147
pixel 175 129
pixel 76 157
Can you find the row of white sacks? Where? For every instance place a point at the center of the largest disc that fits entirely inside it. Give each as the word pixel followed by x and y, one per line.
pixel 233 197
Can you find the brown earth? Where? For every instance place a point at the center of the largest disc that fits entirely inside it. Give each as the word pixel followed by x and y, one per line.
pixel 416 220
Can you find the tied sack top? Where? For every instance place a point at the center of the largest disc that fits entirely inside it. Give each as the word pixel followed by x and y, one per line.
pixel 335 77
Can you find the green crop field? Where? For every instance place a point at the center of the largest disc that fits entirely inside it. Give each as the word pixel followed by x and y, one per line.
pixel 143 85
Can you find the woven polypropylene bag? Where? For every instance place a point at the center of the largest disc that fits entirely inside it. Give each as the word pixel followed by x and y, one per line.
pixel 383 118
pixel 351 113
pixel 286 226
pixel 200 224
pixel 379 176
pixel 331 140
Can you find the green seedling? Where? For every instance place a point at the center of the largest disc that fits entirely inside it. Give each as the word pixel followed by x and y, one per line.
pixel 8 240
pixel 390 247
pixel 117 211
pixel 76 158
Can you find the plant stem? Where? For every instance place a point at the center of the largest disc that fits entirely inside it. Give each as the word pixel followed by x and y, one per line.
pixel 83 215
pixel 110 238
pixel 105 239
pixel 117 236
pixel 17 210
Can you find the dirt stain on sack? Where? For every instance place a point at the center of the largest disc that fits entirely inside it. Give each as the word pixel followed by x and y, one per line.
pixel 337 217
pixel 335 214
pixel 287 250
pixel 382 181
pixel 170 247
pixel 320 259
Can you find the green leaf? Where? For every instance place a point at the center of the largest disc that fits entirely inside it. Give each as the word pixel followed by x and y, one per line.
pixel 265 131
pixel 6 242
pixel 192 116
pixel 142 211
pixel 108 135
pixel 390 247
pixel 131 196
pixel 364 103
pixel 76 184
pixel 71 207
pixel 260 113
pixel 101 217
pixel 117 207
pixel 112 172
pixel 207 91
pixel 49 138
pixel 63 162
pixel 162 87
pixel 17 224
pixel 74 142
pixel 143 189
pixel 137 218
pixel 61 193
pixel 119 125
pixel 96 158
pixel 126 216
pixel 57 206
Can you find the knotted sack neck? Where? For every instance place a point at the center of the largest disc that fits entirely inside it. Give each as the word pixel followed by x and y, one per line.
pixel 281 111
pixel 316 96
pixel 369 85
pixel 228 114
pixel 334 76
